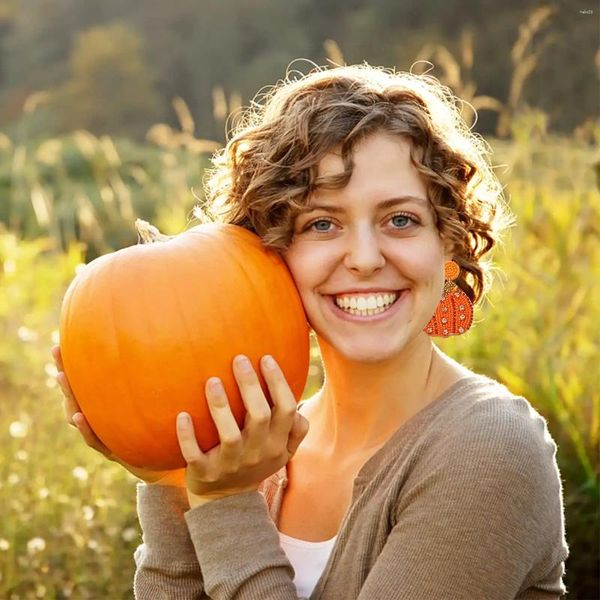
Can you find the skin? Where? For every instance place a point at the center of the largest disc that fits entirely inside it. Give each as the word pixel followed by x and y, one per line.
pixel 351 243
pixel 393 363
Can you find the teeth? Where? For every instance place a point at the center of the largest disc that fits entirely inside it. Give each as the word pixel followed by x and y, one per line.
pixel 366 305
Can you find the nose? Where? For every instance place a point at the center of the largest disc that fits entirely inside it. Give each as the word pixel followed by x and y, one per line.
pixel 363 255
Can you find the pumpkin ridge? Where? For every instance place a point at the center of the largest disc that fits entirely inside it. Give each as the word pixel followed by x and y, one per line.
pixel 121 364
pixel 195 350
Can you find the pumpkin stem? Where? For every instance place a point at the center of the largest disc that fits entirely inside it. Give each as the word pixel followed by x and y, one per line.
pixel 148 234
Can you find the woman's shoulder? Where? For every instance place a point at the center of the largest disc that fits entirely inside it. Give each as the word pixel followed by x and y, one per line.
pixel 485 415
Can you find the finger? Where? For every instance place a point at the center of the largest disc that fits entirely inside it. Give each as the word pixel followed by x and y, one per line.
pixel 89 436
pixel 229 433
pixel 70 405
pixel 258 415
pixel 56 354
pixel 186 436
pixel 297 433
pixel 284 401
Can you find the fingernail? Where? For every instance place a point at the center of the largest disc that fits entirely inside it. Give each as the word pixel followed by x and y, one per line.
pixel 183 418
pixel 215 385
pixel 268 362
pixel 243 363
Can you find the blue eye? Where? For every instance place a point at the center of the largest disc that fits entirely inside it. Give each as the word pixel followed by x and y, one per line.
pixel 401 221
pixel 321 225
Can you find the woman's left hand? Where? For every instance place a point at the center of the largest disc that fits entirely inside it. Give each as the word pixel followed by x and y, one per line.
pixel 243 459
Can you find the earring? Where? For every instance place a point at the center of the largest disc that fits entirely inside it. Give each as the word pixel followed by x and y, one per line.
pixel 454 313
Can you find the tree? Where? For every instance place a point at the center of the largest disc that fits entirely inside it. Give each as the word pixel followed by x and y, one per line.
pixel 110 88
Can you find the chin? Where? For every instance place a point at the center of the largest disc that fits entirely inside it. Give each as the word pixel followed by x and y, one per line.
pixel 370 351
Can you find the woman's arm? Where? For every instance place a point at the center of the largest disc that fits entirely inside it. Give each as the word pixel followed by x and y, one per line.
pixel 235 539
pixel 237 545
pixel 485 521
pixel 166 564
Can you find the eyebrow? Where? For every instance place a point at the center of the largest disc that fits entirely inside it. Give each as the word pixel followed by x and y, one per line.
pixel 385 204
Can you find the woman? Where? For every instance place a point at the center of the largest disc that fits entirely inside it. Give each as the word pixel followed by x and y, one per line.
pixel 417 479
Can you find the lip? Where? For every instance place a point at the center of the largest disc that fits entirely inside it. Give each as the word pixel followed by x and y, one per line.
pixel 366 291
pixel 397 306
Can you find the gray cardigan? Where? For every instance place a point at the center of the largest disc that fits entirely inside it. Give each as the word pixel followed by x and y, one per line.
pixel 464 501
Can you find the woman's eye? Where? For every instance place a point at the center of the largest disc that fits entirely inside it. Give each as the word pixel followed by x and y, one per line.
pixel 401 221
pixel 320 225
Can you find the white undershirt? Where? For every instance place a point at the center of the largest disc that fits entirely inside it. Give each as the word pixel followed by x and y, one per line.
pixel 308 559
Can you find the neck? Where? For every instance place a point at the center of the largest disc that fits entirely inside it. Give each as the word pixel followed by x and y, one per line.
pixel 361 404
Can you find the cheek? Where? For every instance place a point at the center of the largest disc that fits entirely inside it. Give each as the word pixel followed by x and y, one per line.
pixel 305 266
pixel 423 262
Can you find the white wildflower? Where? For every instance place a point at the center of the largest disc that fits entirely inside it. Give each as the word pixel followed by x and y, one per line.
pixel 93 545
pixel 18 429
pixel 80 473
pixel 10 266
pixel 21 455
pixel 36 544
pixel 129 534
pixel 27 335
pixel 50 369
pixel 4 544
pixel 88 513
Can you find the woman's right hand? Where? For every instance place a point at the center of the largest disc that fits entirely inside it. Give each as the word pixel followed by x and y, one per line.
pixel 76 419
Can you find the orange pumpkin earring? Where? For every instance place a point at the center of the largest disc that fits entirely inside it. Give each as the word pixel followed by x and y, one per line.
pixel 454 313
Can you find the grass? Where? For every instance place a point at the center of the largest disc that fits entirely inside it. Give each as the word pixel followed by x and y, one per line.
pixel 69 525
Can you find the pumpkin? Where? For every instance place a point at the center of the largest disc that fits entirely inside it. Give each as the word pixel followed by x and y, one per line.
pixel 143 328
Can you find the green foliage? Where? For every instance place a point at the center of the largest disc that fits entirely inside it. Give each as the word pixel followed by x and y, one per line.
pixel 69 525
pixel 240 45
pixel 68 520
pixel 110 88
pixel 88 188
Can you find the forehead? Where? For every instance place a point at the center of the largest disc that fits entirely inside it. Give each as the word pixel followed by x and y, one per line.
pixel 382 172
pixel 378 148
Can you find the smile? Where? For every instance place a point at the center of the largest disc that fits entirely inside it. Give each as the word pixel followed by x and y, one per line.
pixel 367 307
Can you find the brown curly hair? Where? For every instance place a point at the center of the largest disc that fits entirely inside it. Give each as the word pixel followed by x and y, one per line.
pixel 266 173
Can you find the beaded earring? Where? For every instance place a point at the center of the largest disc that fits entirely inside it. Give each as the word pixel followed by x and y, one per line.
pixel 454 313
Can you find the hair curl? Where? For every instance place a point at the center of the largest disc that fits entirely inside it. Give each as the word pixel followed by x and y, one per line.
pixel 264 176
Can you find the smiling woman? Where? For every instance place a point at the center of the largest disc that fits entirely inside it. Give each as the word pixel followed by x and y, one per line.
pixel 368 249
pixel 406 476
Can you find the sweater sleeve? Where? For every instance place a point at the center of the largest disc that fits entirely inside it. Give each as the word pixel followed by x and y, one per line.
pixel 484 519
pixel 166 564
pixel 238 547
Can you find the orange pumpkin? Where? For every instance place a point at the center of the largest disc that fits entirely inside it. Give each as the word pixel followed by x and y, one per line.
pixel 143 328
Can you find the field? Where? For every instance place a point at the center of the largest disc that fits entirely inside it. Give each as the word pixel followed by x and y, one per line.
pixel 69 527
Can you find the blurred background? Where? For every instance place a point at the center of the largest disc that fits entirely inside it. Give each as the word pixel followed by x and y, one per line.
pixel 110 111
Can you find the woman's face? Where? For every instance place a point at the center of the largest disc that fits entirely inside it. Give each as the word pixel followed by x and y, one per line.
pixel 367 259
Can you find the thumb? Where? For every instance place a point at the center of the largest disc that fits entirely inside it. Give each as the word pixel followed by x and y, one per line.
pixel 298 432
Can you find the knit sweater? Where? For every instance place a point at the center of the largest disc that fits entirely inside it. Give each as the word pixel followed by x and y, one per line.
pixel 464 501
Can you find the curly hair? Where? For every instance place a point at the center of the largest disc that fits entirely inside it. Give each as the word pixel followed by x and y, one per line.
pixel 265 175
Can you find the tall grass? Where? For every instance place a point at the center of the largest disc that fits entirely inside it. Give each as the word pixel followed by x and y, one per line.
pixel 69 525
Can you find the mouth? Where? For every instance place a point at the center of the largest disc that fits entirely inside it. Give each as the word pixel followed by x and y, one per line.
pixel 367 306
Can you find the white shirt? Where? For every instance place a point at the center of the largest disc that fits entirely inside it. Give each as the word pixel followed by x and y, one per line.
pixel 308 559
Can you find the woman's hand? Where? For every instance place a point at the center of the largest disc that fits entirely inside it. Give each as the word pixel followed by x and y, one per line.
pixel 76 419
pixel 243 459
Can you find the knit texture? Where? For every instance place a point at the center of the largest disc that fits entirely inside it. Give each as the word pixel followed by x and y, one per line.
pixel 464 501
